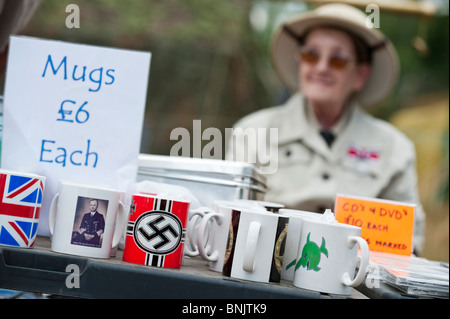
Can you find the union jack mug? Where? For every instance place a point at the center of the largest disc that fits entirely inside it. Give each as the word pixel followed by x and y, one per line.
pixel 156 231
pixel 20 206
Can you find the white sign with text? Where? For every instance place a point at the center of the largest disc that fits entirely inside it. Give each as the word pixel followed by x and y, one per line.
pixel 73 111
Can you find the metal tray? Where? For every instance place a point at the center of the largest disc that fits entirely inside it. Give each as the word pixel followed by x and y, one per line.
pixel 41 270
pixel 207 179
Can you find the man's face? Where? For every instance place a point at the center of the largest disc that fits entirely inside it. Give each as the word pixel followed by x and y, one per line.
pixel 319 81
pixel 93 205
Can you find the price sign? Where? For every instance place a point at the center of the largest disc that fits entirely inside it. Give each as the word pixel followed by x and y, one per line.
pixel 387 226
pixel 73 111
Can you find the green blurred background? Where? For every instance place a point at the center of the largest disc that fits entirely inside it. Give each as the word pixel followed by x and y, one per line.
pixel 210 61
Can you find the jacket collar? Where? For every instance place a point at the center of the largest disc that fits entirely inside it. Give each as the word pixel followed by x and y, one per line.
pixel 353 133
pixel 299 124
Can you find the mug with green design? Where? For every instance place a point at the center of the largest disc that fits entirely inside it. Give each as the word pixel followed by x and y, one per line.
pixel 296 218
pixel 327 257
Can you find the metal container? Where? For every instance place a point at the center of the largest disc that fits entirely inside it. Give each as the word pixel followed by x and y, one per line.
pixel 207 179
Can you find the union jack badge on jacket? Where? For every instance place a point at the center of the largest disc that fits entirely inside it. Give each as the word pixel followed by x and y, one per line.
pixel 156 231
pixel 20 206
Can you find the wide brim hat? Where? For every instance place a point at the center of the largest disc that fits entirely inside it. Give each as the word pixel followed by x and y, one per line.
pixel 384 66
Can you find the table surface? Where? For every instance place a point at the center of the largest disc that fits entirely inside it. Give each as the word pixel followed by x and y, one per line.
pixel 40 270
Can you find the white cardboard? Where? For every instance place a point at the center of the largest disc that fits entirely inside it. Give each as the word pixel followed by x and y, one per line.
pixel 46 128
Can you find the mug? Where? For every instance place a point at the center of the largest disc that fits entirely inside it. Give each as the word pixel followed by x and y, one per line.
pixel 255 246
pixel 212 235
pixel 213 230
pixel 20 206
pixel 86 219
pixel 327 257
pixel 195 216
pixel 269 206
pixel 293 238
pixel 156 231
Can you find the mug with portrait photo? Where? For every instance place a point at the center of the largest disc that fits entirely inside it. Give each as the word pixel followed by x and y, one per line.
pixel 89 222
pixel 86 219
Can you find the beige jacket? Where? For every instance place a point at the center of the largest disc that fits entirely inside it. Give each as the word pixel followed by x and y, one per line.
pixel 369 157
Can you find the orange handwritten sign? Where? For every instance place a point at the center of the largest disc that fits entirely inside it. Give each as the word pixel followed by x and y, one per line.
pixel 387 226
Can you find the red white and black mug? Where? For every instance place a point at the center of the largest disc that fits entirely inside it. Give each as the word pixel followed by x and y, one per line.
pixel 156 231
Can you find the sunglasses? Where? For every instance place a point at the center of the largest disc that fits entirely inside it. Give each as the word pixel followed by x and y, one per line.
pixel 335 61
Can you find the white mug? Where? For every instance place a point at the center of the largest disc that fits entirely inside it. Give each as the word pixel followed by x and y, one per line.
pixel 293 238
pixel 269 206
pixel 213 230
pixel 212 236
pixel 86 219
pixel 255 246
pixel 327 257
pixel 195 217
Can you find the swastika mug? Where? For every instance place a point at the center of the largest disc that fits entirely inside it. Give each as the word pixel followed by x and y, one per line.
pixel 327 257
pixel 20 205
pixel 156 231
pixel 86 219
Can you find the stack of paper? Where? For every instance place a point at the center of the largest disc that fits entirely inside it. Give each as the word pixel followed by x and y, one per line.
pixel 413 275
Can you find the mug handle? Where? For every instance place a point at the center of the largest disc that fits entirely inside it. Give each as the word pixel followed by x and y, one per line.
pixel 196 214
pixel 250 246
pixel 202 237
pixel 52 214
pixel 359 278
pixel 120 224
